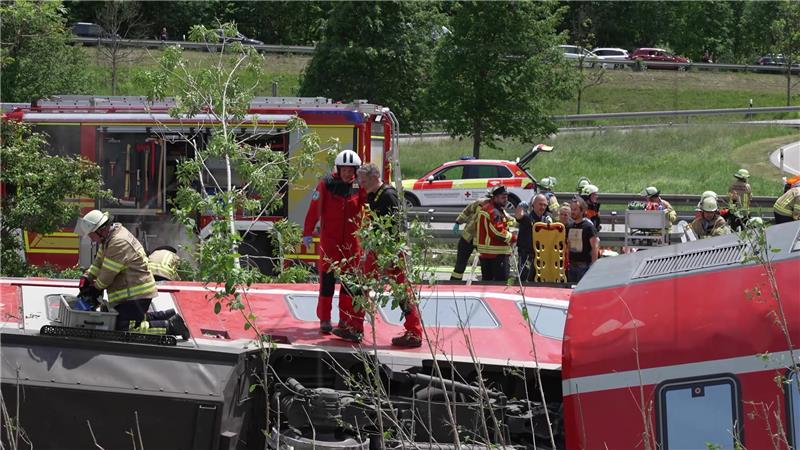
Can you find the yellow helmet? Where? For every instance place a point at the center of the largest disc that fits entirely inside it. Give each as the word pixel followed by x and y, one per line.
pixel 92 221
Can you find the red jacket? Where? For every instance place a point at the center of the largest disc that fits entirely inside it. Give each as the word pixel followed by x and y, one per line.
pixel 337 206
pixel 493 236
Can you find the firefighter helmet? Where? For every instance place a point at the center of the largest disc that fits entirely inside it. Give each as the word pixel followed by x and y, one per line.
pixel 742 174
pixel 589 189
pixel 92 221
pixel 547 182
pixel 348 158
pixel 650 191
pixel 703 196
pixel 498 190
pixel 582 181
pixel 709 204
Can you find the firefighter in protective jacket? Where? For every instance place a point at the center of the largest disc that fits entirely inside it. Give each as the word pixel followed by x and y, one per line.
pixel 120 268
pixel 493 237
pixel 163 263
pixel 336 204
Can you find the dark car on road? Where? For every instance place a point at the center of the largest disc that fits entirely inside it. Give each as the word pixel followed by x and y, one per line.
pixel 659 55
pixel 90 30
pixel 774 61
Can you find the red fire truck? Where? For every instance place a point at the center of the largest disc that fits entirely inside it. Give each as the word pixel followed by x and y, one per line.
pixel 138 145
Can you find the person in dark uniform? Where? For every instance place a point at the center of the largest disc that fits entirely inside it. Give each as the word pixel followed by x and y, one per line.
pixel 525 220
pixel 383 201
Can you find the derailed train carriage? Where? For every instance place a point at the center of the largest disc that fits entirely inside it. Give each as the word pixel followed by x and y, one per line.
pixel 680 347
pixel 206 394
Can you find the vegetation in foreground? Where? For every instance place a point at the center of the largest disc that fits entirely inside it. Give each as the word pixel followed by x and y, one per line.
pixel 680 160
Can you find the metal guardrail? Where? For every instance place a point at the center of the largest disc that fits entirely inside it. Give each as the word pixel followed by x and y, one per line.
pixel 149 43
pixel 678 113
pixel 612 209
pixel 795 68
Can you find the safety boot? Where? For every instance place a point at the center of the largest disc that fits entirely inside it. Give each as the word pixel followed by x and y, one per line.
pixel 347 334
pixel 177 327
pixel 325 326
pixel 409 340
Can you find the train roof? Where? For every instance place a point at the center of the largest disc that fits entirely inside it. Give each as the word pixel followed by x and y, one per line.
pixel 713 254
pixel 494 324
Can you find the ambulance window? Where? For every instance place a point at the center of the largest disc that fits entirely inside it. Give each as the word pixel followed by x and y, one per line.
pixel 793 391
pixel 486 171
pixel 450 173
pixel 447 311
pixel 698 414
pixel 549 321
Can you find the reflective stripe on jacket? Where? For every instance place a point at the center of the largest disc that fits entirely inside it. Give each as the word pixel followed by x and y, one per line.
pixel 493 236
pixel 788 204
pixel 121 268
pixel 740 193
pixel 164 264
pixel 469 216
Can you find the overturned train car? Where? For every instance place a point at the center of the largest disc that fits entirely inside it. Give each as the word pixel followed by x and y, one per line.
pixel 312 391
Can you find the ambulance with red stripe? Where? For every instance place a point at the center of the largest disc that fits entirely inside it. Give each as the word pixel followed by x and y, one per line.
pixel 458 183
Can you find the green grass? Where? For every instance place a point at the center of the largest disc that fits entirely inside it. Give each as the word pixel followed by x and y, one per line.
pixel 659 90
pixel 680 160
pixel 285 69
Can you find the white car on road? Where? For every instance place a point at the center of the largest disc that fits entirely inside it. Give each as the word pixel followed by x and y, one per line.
pixel 612 54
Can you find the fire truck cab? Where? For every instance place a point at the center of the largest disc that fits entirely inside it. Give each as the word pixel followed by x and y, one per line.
pixel 138 145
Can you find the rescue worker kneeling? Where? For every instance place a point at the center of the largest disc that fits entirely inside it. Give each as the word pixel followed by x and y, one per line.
pixel 163 263
pixel 710 223
pixel 120 268
pixel 493 237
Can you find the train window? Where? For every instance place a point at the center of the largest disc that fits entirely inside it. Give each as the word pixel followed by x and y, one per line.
pixel 548 321
pixel 447 311
pixel 793 391
pixel 304 307
pixel 698 413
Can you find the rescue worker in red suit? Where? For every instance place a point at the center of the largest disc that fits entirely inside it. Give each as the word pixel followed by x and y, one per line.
pixel 384 201
pixel 336 204
pixel 493 237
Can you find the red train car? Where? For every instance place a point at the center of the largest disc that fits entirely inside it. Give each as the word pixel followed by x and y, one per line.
pixel 686 347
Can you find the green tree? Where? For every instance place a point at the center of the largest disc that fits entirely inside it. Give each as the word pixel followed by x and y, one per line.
pixel 38 187
pixel 34 56
pixel 786 30
pixel 379 51
pixel 499 73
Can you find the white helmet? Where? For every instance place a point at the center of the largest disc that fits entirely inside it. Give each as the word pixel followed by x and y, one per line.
pixel 348 158
pixel 589 189
pixel 709 204
pixel 92 221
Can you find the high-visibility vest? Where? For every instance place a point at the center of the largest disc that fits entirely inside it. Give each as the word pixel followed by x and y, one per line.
pixel 788 204
pixel 164 264
pixel 493 236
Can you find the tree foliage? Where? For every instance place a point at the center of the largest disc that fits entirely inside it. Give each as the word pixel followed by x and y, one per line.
pixel 786 30
pixel 499 73
pixel 252 176
pixel 379 51
pixel 35 58
pixel 38 188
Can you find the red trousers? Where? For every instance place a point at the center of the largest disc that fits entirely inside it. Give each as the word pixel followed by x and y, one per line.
pixel 411 322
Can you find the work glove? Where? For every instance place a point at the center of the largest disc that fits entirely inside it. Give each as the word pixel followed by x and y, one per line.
pixel 84 285
pixel 455 229
pixel 307 241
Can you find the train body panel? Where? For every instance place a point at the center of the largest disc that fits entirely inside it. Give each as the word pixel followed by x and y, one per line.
pixel 691 332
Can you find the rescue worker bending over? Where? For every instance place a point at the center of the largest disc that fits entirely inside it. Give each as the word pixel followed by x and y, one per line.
pixel 546 186
pixel 120 268
pixel 493 237
pixel 525 220
pixel 656 203
pixel 336 204
pixel 163 264
pixel 589 194
pixel 710 223
pixel 466 244
pixel 787 207
pixel 383 201
pixel 582 240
